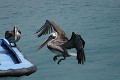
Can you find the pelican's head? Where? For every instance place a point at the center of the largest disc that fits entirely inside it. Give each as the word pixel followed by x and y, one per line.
pixel 52 36
pixel 16 31
pixel 17 34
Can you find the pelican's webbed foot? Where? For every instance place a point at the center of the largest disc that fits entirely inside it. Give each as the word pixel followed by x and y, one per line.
pixel 61 60
pixel 55 57
pixel 13 44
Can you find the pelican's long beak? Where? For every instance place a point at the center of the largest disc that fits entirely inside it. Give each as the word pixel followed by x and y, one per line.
pixel 45 42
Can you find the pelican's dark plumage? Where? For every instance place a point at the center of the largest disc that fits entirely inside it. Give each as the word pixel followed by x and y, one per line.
pixel 59 43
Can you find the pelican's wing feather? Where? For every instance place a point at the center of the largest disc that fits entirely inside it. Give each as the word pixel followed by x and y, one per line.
pixel 8 34
pixel 70 43
pixel 48 28
pixel 77 43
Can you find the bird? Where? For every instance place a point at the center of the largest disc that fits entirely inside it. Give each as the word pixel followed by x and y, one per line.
pixel 59 43
pixel 13 36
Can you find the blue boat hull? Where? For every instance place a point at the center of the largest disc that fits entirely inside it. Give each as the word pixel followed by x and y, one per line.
pixel 13 62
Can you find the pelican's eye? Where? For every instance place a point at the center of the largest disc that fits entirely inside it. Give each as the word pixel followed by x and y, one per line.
pixel 54 37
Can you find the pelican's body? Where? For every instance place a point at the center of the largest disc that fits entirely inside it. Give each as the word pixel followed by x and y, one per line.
pixel 58 42
pixel 54 46
pixel 13 36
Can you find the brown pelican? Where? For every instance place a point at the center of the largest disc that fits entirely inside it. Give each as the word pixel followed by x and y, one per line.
pixel 13 36
pixel 58 42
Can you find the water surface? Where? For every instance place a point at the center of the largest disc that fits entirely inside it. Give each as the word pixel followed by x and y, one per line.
pixel 97 21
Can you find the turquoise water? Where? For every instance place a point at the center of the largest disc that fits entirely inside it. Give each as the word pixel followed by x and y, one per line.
pixel 98 22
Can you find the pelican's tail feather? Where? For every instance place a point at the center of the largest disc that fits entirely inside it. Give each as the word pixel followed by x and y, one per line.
pixel 72 54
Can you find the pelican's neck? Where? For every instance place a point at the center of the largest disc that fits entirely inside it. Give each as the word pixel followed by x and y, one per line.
pixel 51 42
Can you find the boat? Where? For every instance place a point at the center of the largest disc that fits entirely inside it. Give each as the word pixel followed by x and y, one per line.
pixel 13 62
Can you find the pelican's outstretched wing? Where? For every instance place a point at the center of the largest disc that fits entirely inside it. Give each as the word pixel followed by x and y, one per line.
pixel 49 27
pixel 76 42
